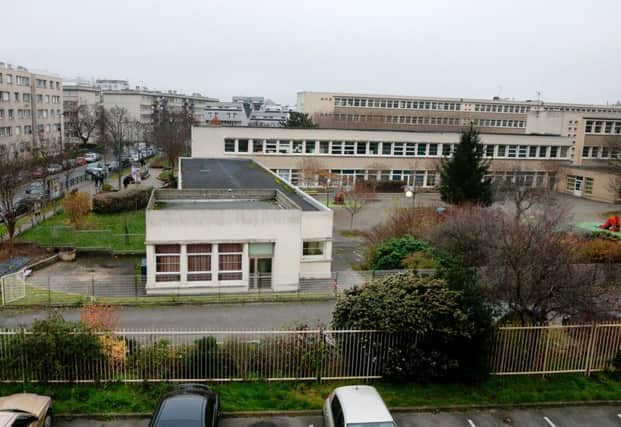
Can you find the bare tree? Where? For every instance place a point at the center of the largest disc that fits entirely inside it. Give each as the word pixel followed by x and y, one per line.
pixel 12 177
pixel 82 121
pixel 310 170
pixel 119 131
pixel 354 201
pixel 613 145
pixel 528 268
pixel 524 193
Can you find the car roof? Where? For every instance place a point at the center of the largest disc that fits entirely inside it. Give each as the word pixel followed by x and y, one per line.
pixel 7 418
pixel 186 408
pixel 28 402
pixel 362 404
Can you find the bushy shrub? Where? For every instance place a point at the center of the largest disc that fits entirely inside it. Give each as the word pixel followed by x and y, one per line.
pixel 77 205
pixel 106 187
pixel 133 198
pixel 404 221
pixel 390 254
pixel 600 251
pixel 435 324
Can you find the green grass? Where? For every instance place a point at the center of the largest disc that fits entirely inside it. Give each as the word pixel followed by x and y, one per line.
pixel 351 233
pixel 258 396
pixel 103 232
pixel 26 219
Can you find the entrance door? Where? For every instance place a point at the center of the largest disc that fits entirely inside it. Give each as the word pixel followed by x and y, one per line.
pixel 260 273
pixel 578 186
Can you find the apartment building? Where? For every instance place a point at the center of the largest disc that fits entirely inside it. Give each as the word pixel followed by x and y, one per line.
pixel 31 106
pixel 226 113
pixel 77 93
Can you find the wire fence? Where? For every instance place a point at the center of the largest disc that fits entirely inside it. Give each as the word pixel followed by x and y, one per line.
pixel 319 354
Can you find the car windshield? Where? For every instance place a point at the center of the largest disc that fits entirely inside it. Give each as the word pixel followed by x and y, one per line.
pixel 385 424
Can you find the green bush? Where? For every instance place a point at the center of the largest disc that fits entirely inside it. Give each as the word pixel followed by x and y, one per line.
pixel 435 325
pixel 106 187
pixel 133 198
pixel 391 253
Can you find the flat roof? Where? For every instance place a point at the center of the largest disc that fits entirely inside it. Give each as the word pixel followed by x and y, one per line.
pixel 241 174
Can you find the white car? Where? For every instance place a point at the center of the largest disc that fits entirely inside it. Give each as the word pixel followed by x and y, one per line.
pixel 356 406
pixel 91 157
pixel 25 409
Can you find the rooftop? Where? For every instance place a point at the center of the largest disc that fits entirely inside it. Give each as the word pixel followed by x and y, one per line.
pixel 220 199
pixel 238 174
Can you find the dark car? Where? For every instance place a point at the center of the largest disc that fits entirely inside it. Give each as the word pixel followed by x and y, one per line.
pixel 188 405
pixel 39 172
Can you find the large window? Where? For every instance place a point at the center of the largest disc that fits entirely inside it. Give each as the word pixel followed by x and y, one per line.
pixel 242 145
pixel 167 267
pixel 229 145
pixel 312 248
pixel 199 262
pixel 230 261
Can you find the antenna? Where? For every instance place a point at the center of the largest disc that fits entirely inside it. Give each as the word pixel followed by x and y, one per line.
pixel 538 96
pixel 499 90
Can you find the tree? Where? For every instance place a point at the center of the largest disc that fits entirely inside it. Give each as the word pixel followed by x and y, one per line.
pixel 77 205
pixel 82 121
pixel 464 174
pixel 299 121
pixel 390 254
pixel 118 131
pixel 613 145
pixel 524 196
pixel 529 269
pixel 354 201
pixel 424 308
pixel 13 174
pixel 171 131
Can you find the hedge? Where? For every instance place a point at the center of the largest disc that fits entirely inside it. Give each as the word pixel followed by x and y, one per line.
pixel 133 198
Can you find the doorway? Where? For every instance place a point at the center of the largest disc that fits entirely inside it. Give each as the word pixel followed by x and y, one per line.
pixel 260 273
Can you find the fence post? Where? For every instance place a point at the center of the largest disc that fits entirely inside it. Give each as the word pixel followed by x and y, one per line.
pixel 322 346
pixel 590 348
pixel 545 353
pixel 92 288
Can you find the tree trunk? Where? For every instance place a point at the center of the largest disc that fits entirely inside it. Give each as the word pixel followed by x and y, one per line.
pixel 351 221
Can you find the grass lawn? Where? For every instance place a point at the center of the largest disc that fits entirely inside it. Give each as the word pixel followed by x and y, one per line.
pixel 25 219
pixel 257 396
pixel 102 232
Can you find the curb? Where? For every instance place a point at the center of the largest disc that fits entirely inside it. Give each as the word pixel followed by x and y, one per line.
pixel 398 409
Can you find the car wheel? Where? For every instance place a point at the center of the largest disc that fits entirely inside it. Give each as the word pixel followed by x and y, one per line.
pixel 48 419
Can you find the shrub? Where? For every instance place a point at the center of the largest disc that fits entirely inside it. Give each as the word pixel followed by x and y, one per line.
pixel 133 198
pixel 77 205
pixel 390 254
pixel 600 251
pixel 404 221
pixel 434 322
pixel 106 187
pixel 160 162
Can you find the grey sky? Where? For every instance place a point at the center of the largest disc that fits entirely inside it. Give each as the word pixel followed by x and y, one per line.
pixel 569 50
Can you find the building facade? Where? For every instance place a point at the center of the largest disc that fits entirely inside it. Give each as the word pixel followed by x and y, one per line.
pixel 31 108
pixel 233 226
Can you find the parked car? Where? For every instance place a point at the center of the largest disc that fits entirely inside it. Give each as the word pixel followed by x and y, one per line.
pixel 36 191
pixel 25 410
pixel 356 405
pixel 112 166
pixel 96 168
pixel 135 157
pixel 23 206
pixel 80 161
pixel 69 163
pixel 54 168
pixel 39 172
pixel 187 405
pixel 125 162
pixel 91 157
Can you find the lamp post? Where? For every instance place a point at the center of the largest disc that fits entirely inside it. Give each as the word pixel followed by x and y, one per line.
pixel 410 193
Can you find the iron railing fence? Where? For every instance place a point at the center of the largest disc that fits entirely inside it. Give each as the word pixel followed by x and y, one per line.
pixel 317 354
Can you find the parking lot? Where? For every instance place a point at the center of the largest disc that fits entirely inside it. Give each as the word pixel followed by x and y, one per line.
pixel 573 416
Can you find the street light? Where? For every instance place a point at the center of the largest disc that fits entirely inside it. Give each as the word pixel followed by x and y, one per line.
pixel 410 193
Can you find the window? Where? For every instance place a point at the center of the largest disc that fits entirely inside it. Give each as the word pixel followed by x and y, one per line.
pixel 337 147
pixel 543 151
pixel 284 147
pixel 419 178
pixel 564 151
pixel 312 248
pixel 386 148
pixel 588 185
pixel 270 146
pixel 199 262
pixel 409 149
pixel 446 149
pixel 324 147
pixel 553 152
pixel 242 145
pixel 398 149
pixel 489 151
pixel 167 267
pixel 309 148
pixel 421 149
pixel 230 261
pixel 361 148
pixel 229 145
pixel 257 145
pixel 604 152
pixel 595 152
pixel 349 147
pixel 585 151
pixel 512 151
pixel 522 152
pixel 337 412
pixel 532 151
pixel 433 149
pixel 373 147
pixel 502 149
pixel 431 178
pixel 589 126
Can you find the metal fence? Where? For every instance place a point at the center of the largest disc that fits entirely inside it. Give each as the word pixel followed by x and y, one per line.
pixel 553 349
pixel 42 288
pixel 196 355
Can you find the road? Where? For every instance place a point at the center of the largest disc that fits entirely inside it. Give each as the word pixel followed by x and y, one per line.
pixel 257 316
pixel 600 416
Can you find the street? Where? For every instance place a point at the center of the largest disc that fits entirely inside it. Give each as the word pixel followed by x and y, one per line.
pixel 573 416
pixel 215 317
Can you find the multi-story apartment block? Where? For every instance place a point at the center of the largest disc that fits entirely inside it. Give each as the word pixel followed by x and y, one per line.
pixel 226 113
pixel 112 84
pixel 77 93
pixel 31 105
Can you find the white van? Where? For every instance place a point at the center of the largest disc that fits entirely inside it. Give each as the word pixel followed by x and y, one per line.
pixel 356 406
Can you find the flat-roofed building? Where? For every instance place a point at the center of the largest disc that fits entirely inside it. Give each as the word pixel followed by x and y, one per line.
pixel 31 108
pixel 233 226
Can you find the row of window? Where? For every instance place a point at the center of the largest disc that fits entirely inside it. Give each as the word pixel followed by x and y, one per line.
pixel 580 183
pixel 10 114
pixel 27 130
pixel 19 80
pixel 501 108
pixel 596 152
pixel 201 264
pixel 499 123
pixel 348 177
pixel 601 126
pixel 396 103
pixel 432 121
pixel 41 83
pixel 398 149
pixel 6 97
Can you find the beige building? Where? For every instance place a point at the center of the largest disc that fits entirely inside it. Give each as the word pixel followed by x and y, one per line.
pixel 234 226
pixel 76 94
pixel 31 108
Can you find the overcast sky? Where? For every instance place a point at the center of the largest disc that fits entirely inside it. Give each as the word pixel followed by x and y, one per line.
pixel 568 50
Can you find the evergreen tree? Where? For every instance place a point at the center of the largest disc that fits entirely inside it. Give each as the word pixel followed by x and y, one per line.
pixel 299 121
pixel 463 175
